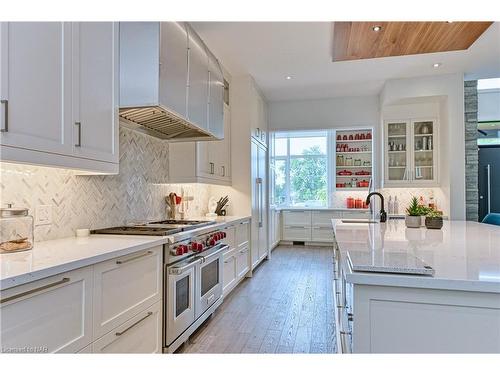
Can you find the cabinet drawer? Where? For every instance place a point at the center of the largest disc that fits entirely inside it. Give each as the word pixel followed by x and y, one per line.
pixel 140 334
pixel 242 263
pixel 324 219
pixel 242 233
pixel 291 218
pixel 322 234
pixel 355 215
pixel 125 286
pixel 296 233
pixel 50 315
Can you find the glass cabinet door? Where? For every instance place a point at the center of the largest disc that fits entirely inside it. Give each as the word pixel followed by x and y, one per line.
pixel 397 148
pixel 423 150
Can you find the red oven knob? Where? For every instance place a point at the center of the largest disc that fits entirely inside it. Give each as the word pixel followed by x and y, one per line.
pixel 223 234
pixel 199 247
pixel 216 236
pixel 212 242
pixel 179 250
pixel 194 246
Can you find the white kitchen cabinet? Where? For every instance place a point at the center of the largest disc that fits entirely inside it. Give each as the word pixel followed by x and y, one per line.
pixel 48 315
pixel 140 334
pixel 411 153
pixel 203 162
pixel 242 263
pixel 58 94
pixel 95 90
pixel 258 120
pixel 229 276
pixel 236 258
pixel 35 79
pixel 274 227
pixel 242 234
pixel 125 286
pixel 314 225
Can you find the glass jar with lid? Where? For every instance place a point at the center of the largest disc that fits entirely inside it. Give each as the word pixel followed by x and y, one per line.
pixel 16 229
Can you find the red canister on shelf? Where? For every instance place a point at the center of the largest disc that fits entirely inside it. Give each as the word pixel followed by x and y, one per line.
pixel 350 202
pixel 368 135
pixel 358 203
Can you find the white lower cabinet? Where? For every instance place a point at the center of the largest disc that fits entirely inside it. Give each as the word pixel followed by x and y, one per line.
pixel 49 315
pixel 314 225
pixel 124 287
pixel 140 334
pixel 237 259
pixel 110 307
pixel 242 263
pixel 229 276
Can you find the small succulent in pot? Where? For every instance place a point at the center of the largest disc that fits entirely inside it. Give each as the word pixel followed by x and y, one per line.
pixel 434 220
pixel 413 214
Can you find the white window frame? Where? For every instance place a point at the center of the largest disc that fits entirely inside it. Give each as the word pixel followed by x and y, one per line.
pixel 329 135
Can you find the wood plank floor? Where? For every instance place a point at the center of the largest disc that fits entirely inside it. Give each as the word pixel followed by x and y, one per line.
pixel 286 307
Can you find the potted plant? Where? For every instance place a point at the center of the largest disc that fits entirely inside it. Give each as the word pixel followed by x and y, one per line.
pixel 434 220
pixel 413 214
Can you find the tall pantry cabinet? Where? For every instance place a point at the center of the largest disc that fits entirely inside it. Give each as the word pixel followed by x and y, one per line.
pixel 249 137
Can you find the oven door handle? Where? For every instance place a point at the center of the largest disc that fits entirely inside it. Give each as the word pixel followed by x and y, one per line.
pixel 179 270
pixel 215 253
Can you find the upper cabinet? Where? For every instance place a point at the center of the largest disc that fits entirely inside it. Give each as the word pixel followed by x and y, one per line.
pixel 411 152
pixel 166 82
pixel 259 125
pixel 35 73
pixel 197 81
pixel 58 91
pixel 95 90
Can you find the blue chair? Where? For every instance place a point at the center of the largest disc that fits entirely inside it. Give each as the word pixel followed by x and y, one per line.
pixel 492 218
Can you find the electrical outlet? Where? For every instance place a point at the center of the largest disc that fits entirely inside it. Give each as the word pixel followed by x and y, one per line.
pixel 43 215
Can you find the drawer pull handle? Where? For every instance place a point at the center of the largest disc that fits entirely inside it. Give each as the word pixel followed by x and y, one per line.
pixel 134 257
pixel 23 294
pixel 5 128
pixel 79 134
pixel 133 325
pixel 345 333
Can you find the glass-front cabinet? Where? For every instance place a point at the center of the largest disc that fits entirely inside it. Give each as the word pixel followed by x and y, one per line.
pixel 410 152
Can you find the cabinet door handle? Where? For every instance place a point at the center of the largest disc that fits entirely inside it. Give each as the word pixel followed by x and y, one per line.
pixel 223 171
pixel 79 142
pixel 212 168
pixel 5 128
pixel 133 325
pixel 122 261
pixel 39 289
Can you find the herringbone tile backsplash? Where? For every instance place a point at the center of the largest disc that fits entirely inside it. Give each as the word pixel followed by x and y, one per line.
pixel 135 194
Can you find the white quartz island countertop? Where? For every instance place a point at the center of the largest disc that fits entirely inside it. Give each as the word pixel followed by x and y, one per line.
pixel 48 258
pixel 465 255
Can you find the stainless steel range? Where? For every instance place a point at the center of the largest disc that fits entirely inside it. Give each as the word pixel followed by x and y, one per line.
pixel 192 273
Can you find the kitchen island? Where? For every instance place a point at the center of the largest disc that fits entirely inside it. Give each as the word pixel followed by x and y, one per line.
pixel 456 310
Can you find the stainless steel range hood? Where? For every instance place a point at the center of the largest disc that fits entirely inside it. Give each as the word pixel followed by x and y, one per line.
pixel 171 86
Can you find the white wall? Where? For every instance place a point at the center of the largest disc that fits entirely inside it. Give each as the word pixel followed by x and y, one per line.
pixel 488 102
pixel 452 141
pixel 330 113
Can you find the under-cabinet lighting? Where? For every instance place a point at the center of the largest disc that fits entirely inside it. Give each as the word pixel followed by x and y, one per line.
pixel 377 28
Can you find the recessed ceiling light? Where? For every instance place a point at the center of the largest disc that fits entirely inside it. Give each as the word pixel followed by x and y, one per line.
pixel 436 65
pixel 449 21
pixel 377 28
pixel 288 78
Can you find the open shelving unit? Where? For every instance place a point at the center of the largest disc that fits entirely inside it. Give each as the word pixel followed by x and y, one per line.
pixel 354 154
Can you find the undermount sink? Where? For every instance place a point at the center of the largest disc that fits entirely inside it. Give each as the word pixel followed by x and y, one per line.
pixel 359 221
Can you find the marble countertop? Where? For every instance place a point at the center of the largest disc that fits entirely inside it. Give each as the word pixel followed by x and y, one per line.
pixel 465 255
pixel 48 258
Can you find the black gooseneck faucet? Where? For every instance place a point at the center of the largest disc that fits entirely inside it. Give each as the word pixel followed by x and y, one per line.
pixel 383 214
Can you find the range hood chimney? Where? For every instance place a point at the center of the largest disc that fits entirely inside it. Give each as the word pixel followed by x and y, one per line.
pixel 171 85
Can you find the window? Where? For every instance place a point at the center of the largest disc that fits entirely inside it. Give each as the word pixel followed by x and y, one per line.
pixel 299 168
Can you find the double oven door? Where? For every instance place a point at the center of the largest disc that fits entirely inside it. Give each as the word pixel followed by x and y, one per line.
pixel 191 287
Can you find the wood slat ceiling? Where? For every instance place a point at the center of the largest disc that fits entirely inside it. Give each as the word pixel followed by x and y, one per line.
pixel 357 40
